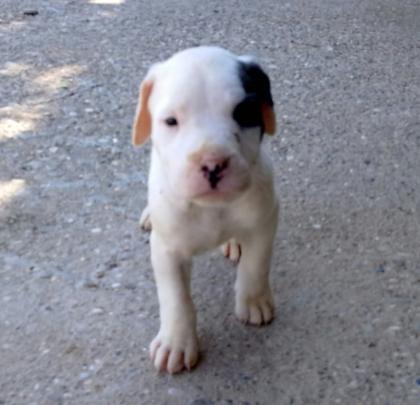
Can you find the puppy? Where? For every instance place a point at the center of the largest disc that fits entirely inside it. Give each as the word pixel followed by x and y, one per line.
pixel 210 183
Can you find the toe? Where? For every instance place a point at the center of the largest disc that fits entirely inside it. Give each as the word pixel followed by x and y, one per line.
pixel 161 359
pixel 154 346
pixel 175 362
pixel 174 354
pixel 255 311
pixel 255 317
pixel 241 312
pixel 191 357
pixel 232 250
pixel 267 312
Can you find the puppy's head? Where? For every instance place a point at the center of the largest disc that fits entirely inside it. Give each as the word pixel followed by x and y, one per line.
pixel 206 111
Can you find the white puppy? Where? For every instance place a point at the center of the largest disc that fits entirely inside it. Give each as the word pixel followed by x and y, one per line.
pixel 210 183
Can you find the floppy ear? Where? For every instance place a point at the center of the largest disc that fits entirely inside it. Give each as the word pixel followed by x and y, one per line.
pixel 269 118
pixel 142 126
pixel 256 81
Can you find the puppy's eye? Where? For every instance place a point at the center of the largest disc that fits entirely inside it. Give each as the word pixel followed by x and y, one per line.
pixel 171 122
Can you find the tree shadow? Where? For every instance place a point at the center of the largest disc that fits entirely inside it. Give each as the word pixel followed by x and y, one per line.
pixel 35 80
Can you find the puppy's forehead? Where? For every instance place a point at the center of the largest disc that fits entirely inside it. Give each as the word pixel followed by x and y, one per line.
pixel 200 77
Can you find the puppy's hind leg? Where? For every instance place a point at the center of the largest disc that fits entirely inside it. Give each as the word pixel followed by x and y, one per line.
pixel 232 250
pixel 145 222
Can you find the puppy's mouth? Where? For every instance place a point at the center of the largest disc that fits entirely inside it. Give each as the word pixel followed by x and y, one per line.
pixel 212 180
pixel 219 193
pixel 214 197
pixel 214 194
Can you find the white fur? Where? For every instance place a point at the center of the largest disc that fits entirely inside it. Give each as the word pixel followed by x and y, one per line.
pixel 200 87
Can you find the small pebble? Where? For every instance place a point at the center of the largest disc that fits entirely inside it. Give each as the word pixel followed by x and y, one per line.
pixel 130 286
pixel 100 273
pixel 202 401
pixel 31 13
pixel 44 275
pixel 353 384
pixel 393 328
pixel 89 283
pixel 175 392
pixel 380 269
pixel 97 311
pixel 84 375
pixel 70 349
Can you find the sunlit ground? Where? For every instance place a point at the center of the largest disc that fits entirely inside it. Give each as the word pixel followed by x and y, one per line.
pixel 13 69
pixel 16 119
pixel 10 189
pixel 56 78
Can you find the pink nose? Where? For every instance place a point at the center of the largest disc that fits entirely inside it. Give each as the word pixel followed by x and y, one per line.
pixel 214 168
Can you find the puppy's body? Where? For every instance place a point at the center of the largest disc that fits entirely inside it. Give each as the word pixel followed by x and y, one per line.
pixel 210 182
pixel 192 229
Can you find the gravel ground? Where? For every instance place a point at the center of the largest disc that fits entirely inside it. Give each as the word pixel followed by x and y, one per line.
pixel 78 301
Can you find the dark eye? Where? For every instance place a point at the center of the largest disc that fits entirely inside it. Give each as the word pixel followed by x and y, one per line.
pixel 171 122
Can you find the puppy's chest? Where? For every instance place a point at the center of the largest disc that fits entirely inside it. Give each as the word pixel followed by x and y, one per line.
pixel 196 230
pixel 207 229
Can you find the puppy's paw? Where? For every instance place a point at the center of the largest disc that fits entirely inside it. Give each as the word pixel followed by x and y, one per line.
pixel 232 250
pixel 145 222
pixel 257 310
pixel 174 353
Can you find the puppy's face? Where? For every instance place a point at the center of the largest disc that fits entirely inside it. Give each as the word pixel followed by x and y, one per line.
pixel 206 111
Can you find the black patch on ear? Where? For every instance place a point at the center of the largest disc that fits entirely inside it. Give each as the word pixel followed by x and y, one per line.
pixel 256 84
pixel 248 112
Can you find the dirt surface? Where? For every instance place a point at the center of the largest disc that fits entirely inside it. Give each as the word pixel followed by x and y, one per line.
pixel 78 302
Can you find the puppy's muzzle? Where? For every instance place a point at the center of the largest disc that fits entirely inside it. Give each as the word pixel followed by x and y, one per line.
pixel 216 174
pixel 214 168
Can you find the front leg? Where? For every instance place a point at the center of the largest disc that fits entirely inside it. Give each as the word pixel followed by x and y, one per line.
pixel 176 345
pixel 253 298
